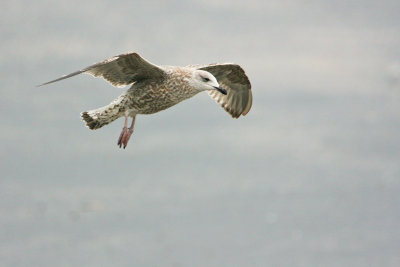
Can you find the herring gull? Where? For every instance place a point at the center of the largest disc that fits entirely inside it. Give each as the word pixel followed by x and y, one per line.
pixel 155 88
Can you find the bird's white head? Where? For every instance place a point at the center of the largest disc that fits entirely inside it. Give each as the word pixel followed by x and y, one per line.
pixel 203 80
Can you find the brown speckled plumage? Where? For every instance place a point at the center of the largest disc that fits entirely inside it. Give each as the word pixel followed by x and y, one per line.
pixel 155 88
pixel 152 97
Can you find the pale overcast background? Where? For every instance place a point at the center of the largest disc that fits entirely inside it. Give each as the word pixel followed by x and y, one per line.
pixel 310 177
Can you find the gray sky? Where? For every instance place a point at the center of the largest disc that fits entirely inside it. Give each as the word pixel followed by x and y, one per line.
pixel 310 177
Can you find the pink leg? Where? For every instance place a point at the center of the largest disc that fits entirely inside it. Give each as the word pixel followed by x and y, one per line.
pixel 123 132
pixel 126 133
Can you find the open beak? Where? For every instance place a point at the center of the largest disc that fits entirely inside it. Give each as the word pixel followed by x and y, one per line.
pixel 221 90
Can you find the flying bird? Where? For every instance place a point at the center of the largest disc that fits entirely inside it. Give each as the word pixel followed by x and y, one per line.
pixel 155 88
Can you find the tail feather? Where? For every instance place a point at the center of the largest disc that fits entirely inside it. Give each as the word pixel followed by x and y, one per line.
pixel 91 121
pixel 97 118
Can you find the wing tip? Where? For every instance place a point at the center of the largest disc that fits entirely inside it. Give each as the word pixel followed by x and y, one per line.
pixel 248 105
pixel 46 83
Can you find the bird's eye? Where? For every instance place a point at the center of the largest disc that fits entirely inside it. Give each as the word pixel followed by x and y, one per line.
pixel 206 79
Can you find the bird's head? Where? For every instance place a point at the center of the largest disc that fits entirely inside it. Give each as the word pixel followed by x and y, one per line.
pixel 203 80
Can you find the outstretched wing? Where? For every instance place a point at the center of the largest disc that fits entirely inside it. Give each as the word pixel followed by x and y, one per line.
pixel 231 77
pixel 121 70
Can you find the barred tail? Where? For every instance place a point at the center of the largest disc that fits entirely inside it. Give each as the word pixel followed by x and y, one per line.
pixel 97 118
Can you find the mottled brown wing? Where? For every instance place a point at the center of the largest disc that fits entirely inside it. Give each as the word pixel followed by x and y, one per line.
pixel 231 77
pixel 121 70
